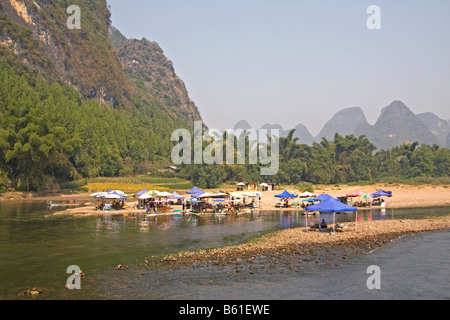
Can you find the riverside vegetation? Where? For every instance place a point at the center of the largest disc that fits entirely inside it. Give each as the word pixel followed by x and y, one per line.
pixel 71 108
pixel 49 135
pixel 89 103
pixel 343 160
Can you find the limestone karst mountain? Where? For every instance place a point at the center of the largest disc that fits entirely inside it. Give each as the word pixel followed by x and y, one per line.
pixel 439 127
pixel 344 122
pixel 145 63
pixel 396 125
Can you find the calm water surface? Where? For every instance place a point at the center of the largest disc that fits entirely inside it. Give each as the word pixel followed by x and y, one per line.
pixel 35 250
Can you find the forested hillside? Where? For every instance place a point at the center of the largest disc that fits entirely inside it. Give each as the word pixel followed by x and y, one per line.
pixel 69 109
pixel 49 134
pixel 86 103
pixel 35 38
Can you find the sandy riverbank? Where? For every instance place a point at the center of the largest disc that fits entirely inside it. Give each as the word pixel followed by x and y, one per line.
pixel 404 196
pixel 293 248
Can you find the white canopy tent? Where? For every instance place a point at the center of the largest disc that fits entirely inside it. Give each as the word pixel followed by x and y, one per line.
pixel 307 194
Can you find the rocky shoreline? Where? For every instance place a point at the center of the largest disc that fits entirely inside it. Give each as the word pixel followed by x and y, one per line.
pixel 297 248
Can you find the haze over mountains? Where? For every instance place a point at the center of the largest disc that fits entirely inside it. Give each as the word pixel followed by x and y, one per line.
pixel 395 125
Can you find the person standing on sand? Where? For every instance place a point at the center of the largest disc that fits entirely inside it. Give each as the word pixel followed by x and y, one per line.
pixel 323 225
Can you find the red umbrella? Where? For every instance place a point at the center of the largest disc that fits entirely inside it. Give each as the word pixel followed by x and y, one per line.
pixel 356 193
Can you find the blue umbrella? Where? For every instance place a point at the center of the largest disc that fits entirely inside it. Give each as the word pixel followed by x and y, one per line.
pixel 114 195
pixel 381 193
pixel 194 190
pixel 176 195
pixel 331 205
pixel 140 193
pixel 323 197
pixel 285 194
pixel 196 195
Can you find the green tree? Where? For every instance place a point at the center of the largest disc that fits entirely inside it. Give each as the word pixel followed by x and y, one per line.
pixel 422 162
pixel 321 168
pixel 442 162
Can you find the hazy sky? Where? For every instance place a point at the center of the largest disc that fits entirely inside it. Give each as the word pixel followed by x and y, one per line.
pixel 294 61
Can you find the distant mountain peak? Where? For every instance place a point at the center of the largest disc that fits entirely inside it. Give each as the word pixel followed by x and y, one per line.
pixel 243 124
pixel 269 126
pixel 300 131
pixel 439 127
pixel 343 122
pixel 303 134
pixel 397 103
pixel 396 125
pixel 396 107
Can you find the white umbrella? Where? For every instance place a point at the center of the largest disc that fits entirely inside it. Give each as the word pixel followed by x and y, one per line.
pixel 120 192
pixel 113 196
pixel 146 196
pixel 220 194
pixel 164 194
pixel 99 194
pixel 205 195
pixel 307 194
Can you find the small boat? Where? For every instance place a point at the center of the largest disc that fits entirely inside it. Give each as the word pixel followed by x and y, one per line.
pixel 310 213
pixel 54 204
pixel 62 204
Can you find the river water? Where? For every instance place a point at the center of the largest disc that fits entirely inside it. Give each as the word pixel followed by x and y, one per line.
pixel 36 249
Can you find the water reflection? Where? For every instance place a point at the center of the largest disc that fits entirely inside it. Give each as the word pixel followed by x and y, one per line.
pixel 110 224
pixel 37 247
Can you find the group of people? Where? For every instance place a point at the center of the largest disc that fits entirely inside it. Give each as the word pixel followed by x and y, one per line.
pixel 323 226
pixel 115 205
pixel 306 204
pixel 151 209
pixel 216 208
pixel 377 202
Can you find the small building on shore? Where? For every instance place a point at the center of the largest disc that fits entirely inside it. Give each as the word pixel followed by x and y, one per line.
pixel 169 169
